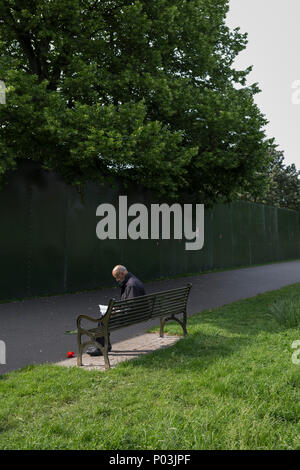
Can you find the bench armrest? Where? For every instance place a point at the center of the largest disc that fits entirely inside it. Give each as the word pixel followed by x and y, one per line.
pixel 97 320
pixel 87 318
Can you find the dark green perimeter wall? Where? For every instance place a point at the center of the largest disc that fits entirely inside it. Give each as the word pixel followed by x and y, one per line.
pixel 48 242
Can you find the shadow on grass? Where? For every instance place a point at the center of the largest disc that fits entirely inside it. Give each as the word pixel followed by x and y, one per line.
pixel 197 351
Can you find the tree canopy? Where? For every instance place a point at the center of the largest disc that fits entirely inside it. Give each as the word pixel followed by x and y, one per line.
pixel 283 187
pixel 145 90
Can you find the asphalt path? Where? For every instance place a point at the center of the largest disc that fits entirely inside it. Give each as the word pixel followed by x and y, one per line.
pixel 34 330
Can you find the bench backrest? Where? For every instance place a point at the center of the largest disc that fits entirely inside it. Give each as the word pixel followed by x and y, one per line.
pixel 139 309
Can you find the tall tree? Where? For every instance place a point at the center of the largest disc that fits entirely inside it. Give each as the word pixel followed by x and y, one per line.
pixel 283 187
pixel 141 89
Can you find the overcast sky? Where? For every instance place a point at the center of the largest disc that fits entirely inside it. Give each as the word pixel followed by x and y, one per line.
pixel 273 28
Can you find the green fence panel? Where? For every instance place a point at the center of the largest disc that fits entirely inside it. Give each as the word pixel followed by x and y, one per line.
pixel 48 242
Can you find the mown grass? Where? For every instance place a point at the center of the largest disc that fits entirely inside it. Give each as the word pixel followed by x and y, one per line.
pixel 230 384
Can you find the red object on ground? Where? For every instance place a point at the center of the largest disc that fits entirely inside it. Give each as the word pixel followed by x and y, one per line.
pixel 70 354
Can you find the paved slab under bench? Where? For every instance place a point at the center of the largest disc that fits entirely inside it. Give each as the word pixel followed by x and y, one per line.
pixel 124 351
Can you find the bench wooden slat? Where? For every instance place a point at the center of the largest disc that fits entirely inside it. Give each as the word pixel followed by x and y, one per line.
pixel 171 294
pixel 167 311
pixel 133 306
pixel 128 317
pixel 154 303
pixel 120 324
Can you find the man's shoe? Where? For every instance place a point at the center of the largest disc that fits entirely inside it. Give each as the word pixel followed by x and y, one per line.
pixel 96 351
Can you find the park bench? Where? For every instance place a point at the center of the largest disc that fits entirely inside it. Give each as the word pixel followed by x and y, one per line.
pixel 120 313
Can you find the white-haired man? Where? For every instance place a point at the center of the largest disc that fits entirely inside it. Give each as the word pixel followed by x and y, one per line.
pixel 131 287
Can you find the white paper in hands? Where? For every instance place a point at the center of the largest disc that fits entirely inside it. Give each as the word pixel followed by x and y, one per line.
pixel 103 309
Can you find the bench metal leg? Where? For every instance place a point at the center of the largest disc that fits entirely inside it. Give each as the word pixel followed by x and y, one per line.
pixel 104 351
pixel 106 360
pixel 162 324
pixel 79 349
pixel 181 323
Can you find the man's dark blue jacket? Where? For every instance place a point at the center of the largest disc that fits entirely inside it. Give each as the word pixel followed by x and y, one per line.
pixel 131 287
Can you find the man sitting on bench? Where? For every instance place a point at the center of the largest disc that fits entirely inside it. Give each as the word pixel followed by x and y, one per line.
pixel 131 287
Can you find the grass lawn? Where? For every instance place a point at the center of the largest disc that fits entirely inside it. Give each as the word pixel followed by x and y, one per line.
pixel 230 384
